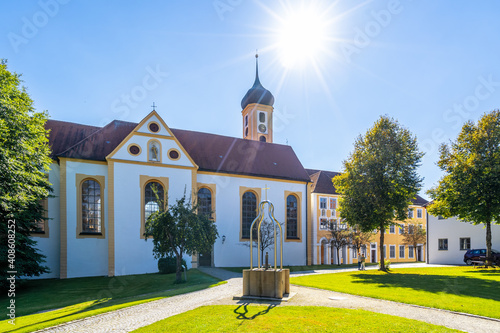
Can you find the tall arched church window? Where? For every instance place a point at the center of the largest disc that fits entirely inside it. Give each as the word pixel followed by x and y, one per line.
pixel 291 217
pixel 248 213
pixel 91 207
pixel 205 202
pixel 153 198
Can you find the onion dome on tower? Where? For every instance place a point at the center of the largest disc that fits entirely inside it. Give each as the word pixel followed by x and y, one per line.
pixel 257 111
pixel 257 94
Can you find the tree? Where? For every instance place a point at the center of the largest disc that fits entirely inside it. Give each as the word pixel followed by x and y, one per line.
pixel 24 161
pixel 178 230
pixel 340 237
pixel 360 238
pixel 266 237
pixel 470 188
pixel 380 178
pixel 413 235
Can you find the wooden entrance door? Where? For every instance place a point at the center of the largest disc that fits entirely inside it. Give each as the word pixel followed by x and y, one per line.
pixel 205 259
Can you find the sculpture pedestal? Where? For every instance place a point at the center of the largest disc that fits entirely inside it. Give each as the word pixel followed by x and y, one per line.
pixel 259 282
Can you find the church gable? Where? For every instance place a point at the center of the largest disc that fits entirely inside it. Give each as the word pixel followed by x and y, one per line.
pixel 153 124
pixel 151 141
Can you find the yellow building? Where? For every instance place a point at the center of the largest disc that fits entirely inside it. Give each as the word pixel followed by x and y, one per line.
pixel 324 217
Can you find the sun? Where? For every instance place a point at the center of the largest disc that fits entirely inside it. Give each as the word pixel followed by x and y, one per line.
pixel 302 36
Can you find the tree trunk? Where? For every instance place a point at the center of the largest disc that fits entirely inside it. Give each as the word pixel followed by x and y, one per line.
pixel 382 261
pixel 338 258
pixel 416 256
pixel 178 271
pixel 488 244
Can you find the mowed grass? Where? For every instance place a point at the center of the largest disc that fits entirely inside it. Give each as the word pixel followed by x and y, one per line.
pixel 244 318
pixel 45 303
pixel 461 289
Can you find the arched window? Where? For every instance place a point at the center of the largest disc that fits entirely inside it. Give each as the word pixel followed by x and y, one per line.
pixel 91 207
pixel 248 213
pixel 205 202
pixel 153 198
pixel 262 138
pixel 291 217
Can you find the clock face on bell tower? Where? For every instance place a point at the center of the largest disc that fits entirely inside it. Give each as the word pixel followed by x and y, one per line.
pixel 257 111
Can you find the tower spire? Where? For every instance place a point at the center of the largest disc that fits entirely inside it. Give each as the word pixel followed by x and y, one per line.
pixel 257 81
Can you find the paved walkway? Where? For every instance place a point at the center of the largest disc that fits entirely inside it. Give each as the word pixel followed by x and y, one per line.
pixel 128 319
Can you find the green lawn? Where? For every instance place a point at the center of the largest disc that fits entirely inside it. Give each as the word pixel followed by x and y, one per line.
pixel 243 318
pixel 72 299
pixel 302 268
pixel 461 289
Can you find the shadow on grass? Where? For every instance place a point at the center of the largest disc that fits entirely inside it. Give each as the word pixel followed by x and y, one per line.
pixel 456 285
pixel 242 312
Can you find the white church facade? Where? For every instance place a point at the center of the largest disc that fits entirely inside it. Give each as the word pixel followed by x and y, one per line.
pixel 103 179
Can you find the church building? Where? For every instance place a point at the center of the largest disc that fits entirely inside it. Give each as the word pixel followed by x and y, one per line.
pixel 103 180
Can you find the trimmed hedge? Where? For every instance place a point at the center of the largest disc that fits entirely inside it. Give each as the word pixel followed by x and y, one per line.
pixel 168 265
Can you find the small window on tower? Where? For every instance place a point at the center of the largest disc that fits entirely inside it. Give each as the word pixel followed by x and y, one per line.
pixel 262 138
pixel 262 117
pixel 246 120
pixel 246 131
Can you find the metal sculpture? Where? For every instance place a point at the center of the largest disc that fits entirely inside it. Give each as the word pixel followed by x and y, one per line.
pixel 259 219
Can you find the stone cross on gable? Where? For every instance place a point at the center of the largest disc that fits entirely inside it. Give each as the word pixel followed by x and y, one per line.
pixel 266 188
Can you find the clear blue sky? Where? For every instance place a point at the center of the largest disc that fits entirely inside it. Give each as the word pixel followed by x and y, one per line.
pixel 430 64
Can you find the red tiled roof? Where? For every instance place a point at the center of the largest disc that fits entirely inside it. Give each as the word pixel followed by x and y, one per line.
pixel 322 183
pixel 67 134
pixel 210 152
pixel 247 157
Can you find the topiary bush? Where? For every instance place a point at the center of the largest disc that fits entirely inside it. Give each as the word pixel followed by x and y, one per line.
pixel 168 265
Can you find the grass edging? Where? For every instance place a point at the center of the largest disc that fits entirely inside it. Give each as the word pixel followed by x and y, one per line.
pixel 454 289
pixel 80 309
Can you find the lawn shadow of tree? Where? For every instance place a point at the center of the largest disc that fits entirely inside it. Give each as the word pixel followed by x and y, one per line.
pixel 453 285
pixel 242 311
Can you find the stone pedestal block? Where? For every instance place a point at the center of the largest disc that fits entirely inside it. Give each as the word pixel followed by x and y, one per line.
pixel 266 283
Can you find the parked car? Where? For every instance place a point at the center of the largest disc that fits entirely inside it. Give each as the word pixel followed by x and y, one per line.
pixel 480 255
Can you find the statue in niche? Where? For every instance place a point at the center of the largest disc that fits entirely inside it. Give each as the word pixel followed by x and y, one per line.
pixel 154 152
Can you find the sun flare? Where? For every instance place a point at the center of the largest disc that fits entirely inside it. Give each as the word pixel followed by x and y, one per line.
pixel 301 37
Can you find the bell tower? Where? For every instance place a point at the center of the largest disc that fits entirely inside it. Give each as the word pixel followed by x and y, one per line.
pixel 257 111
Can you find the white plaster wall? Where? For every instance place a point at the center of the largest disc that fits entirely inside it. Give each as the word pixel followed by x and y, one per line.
pixel 144 128
pixel 86 256
pixel 454 230
pixel 50 246
pixel 142 141
pixel 234 253
pixel 134 255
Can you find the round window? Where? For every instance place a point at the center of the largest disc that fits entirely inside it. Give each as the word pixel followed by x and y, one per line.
pixel 153 127
pixel 134 149
pixel 173 154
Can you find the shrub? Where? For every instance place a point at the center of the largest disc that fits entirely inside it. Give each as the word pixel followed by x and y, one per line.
pixel 168 265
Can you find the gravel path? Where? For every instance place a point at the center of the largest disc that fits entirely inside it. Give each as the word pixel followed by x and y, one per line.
pixel 128 319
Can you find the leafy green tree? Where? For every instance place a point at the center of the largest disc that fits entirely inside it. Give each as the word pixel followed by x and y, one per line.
pixel 380 178
pixel 178 230
pixel 24 160
pixel 470 188
pixel 414 234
